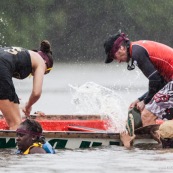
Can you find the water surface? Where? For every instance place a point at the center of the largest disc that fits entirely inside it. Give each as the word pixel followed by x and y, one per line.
pixel 56 99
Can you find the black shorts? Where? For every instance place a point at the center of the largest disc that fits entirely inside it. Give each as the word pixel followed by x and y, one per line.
pixel 7 90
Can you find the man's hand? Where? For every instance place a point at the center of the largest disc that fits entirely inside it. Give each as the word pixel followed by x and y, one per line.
pixel 140 106
pixel 134 104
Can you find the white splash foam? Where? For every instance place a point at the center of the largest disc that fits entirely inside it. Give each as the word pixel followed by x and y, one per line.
pixel 91 98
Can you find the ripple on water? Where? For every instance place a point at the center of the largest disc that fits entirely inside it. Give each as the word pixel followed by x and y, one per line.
pixel 104 159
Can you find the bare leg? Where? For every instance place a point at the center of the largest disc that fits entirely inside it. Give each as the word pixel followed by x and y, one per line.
pixel 148 118
pixel 11 113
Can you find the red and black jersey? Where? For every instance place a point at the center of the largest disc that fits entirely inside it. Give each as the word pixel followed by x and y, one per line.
pixel 156 62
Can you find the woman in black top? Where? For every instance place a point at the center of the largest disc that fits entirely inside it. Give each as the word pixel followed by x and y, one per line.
pixel 19 63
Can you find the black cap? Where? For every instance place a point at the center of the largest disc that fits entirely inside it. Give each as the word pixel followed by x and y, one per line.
pixel 108 44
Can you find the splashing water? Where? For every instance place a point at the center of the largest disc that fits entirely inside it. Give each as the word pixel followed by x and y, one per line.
pixel 91 98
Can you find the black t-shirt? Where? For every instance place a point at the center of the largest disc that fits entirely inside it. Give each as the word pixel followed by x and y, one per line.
pixel 14 62
pixel 17 60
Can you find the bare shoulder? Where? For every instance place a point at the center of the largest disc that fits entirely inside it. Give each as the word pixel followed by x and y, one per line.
pixel 35 55
pixel 37 150
pixel 36 59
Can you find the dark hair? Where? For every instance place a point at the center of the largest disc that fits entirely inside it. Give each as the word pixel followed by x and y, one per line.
pixel 46 53
pixel 45 47
pixel 32 125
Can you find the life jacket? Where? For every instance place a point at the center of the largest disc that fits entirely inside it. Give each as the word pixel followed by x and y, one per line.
pixel 160 55
pixel 33 145
pixel 46 146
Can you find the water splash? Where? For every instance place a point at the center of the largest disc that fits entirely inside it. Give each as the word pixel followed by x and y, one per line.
pixel 91 98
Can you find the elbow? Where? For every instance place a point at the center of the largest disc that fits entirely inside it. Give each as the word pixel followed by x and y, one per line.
pixel 37 95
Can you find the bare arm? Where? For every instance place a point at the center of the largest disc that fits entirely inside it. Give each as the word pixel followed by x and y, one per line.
pixel 36 91
pixel 156 81
pixel 38 75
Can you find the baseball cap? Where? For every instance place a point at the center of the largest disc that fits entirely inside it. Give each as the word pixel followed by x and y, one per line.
pixel 112 45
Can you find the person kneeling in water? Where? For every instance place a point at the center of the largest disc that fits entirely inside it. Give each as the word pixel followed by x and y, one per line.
pixel 30 139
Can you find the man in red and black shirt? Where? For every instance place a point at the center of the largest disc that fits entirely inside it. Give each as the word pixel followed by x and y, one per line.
pixel 155 60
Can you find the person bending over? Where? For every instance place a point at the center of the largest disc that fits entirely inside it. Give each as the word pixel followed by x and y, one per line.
pixel 19 63
pixel 155 60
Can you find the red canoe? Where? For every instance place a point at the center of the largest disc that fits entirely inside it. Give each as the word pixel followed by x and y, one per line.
pixel 68 122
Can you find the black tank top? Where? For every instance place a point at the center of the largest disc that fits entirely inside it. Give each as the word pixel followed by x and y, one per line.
pixel 17 60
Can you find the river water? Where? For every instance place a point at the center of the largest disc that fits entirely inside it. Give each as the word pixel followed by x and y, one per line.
pixel 57 98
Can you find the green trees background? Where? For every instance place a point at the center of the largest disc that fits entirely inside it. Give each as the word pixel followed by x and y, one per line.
pixel 78 28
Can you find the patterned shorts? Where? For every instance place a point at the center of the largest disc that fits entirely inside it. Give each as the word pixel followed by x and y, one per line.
pixel 161 104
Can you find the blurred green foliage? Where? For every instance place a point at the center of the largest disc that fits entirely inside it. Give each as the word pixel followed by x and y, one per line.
pixel 77 29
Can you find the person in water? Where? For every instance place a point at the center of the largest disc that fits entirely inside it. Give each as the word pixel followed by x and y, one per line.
pixel 17 62
pixel 30 139
pixel 155 60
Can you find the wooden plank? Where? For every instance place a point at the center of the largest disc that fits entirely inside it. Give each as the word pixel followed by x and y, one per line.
pixel 66 134
pixel 146 129
pixel 67 117
pixel 70 117
pixel 75 134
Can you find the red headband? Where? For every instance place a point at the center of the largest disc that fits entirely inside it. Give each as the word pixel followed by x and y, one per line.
pixel 46 58
pixel 117 43
pixel 28 132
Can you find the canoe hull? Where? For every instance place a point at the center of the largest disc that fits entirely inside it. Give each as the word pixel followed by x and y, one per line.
pixel 72 132
pixel 73 139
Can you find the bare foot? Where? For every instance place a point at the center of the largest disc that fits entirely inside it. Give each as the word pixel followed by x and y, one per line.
pixel 126 139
